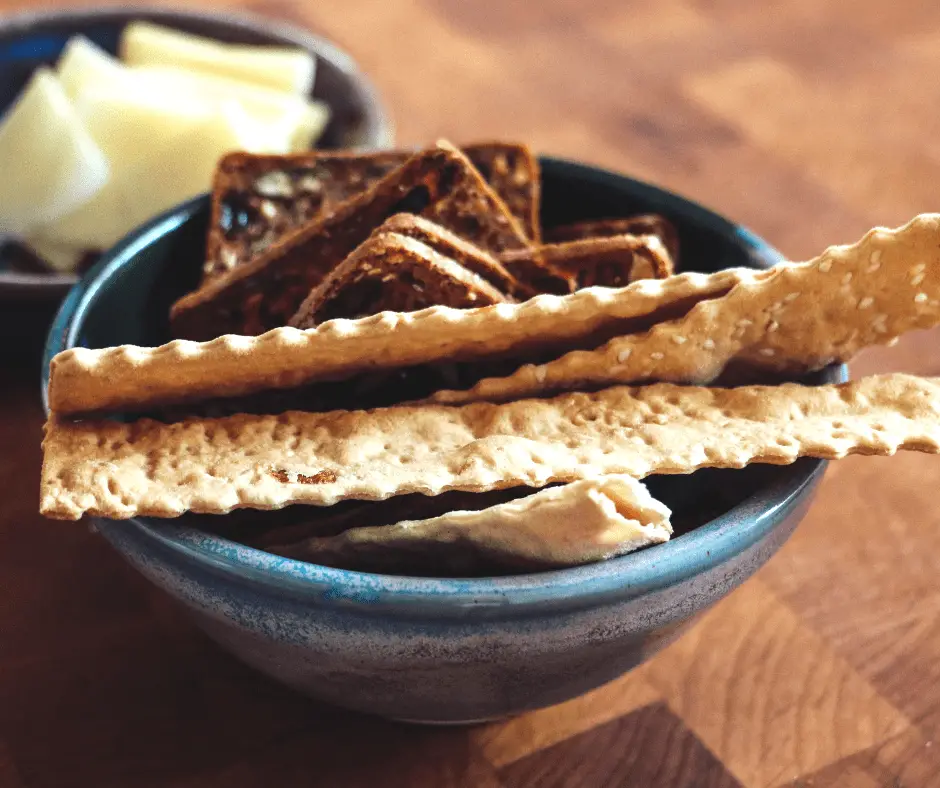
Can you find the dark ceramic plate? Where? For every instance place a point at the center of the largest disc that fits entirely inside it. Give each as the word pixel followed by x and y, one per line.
pixel 29 295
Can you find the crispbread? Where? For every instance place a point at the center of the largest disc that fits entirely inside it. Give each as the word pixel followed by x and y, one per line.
pixel 392 272
pixel 120 470
pixel 615 261
pixel 453 246
pixel 82 380
pixel 439 183
pixel 258 198
pixel 798 318
pixel 641 224
pixel 578 523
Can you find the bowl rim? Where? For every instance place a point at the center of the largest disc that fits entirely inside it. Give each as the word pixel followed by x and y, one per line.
pixel 378 128
pixel 635 574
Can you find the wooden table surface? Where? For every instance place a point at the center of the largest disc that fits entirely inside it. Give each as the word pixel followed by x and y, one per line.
pixel 810 123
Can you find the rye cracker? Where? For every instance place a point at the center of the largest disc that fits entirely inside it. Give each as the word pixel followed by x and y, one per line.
pixel 258 198
pixel 616 261
pixel 440 184
pixel 120 470
pixel 797 318
pixel 578 523
pixel 391 272
pixel 639 225
pixel 84 380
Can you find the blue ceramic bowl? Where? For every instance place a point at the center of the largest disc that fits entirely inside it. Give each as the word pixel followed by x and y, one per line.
pixel 446 650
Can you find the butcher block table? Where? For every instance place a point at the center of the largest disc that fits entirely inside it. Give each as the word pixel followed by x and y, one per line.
pixel 810 123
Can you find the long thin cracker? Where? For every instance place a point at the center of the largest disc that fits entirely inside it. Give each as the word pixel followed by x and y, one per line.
pixel 802 317
pixel 86 381
pixel 120 470
pixel 578 523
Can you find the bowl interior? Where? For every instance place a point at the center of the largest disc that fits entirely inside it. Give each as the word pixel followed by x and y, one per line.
pixel 33 40
pixel 126 299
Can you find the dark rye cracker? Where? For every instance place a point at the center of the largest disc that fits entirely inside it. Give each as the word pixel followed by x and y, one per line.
pixel 439 183
pixel 456 248
pixel 641 224
pixel 391 272
pixel 258 198
pixel 616 261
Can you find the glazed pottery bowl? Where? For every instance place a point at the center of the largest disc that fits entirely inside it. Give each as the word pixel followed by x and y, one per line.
pixel 448 650
pixel 29 297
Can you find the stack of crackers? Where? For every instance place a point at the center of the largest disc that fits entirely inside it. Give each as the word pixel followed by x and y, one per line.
pixel 393 347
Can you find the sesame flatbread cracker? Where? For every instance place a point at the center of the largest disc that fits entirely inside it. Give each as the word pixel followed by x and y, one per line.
pixel 799 318
pixel 83 380
pixel 578 523
pixel 121 470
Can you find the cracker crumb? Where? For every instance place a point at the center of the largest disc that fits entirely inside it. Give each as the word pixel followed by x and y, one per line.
pixel 866 302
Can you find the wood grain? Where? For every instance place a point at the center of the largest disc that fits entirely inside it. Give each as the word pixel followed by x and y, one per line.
pixel 810 123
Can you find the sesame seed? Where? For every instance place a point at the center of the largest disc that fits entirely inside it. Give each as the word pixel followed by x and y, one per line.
pixel 772 326
pixel 866 302
pixel 825 266
pixel 744 322
pixel 708 344
pixel 766 351
pixel 917 279
pixel 919 268
pixel 540 374
pixel 657 356
pixel 875 257
pixel 872 267
pixel 623 355
pixel 920 298
pixel 794 296
pixel 678 339
pixel 847 278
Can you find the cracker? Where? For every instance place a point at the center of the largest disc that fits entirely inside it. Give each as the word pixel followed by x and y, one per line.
pixel 393 272
pixel 639 225
pixel 615 261
pixel 258 198
pixel 444 242
pixel 798 318
pixel 120 470
pixel 578 523
pixel 83 380
pixel 439 183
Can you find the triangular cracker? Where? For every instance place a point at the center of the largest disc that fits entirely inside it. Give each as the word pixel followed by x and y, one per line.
pixel 439 183
pixel 391 272
pixel 121 470
pixel 258 198
pixel 640 224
